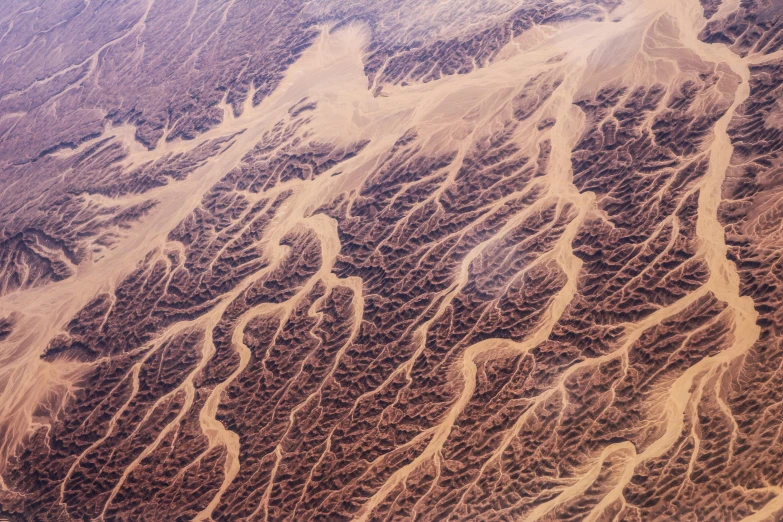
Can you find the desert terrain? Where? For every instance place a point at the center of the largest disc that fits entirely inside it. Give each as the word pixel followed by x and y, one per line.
pixel 500 260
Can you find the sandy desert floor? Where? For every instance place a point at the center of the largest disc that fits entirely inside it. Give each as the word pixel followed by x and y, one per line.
pixel 528 270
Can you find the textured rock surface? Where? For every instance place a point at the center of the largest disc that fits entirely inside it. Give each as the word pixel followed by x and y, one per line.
pixel 315 260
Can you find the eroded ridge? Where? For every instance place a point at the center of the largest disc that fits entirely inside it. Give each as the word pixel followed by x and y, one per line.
pixel 530 273
pixel 102 191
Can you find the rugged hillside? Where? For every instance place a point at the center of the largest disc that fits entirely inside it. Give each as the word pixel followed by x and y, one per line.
pixel 320 260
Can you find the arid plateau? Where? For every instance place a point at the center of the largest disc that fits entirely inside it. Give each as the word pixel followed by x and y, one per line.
pixel 343 260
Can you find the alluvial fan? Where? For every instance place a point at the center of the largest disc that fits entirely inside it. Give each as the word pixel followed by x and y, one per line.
pixel 500 260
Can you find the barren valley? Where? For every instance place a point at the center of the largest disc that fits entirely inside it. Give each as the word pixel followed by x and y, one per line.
pixel 501 260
